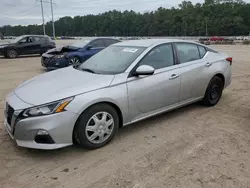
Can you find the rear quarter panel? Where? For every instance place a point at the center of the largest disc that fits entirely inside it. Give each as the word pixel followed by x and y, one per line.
pixel 219 66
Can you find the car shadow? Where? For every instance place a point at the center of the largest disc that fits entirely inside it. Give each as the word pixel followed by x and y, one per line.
pixel 123 133
pixel 146 123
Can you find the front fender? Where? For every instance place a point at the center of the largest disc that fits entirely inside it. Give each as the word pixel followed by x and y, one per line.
pixel 116 95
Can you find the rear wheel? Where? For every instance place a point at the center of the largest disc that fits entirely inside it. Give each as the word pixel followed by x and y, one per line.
pixel 213 92
pixel 12 54
pixel 75 61
pixel 96 127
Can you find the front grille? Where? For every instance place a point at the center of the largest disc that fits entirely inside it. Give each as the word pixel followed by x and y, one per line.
pixel 9 113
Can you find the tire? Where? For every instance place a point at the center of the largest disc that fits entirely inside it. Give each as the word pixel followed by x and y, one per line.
pixel 75 61
pixel 213 92
pixel 92 131
pixel 12 53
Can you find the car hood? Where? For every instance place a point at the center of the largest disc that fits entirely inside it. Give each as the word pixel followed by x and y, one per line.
pixel 6 44
pixel 59 84
pixel 65 49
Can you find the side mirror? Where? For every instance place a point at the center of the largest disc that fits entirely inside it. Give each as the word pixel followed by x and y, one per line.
pixel 88 47
pixel 144 70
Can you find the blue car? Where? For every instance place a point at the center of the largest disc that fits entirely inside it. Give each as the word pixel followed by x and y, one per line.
pixel 76 53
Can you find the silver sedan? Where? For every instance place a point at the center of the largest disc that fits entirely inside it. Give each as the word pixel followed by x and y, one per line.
pixel 123 84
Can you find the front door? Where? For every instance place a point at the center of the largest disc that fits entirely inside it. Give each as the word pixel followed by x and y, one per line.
pixel 27 46
pixel 158 91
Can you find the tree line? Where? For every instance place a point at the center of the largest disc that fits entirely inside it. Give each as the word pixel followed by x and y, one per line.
pixel 213 17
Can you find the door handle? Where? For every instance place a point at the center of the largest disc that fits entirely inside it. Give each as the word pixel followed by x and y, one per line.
pixel 173 76
pixel 208 64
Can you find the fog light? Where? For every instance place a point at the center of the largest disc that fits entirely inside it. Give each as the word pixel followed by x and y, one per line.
pixel 42 132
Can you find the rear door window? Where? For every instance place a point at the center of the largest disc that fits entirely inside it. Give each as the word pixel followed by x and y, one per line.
pixel 187 52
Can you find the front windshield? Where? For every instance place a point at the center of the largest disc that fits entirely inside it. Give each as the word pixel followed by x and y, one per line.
pixel 112 60
pixel 80 44
pixel 17 39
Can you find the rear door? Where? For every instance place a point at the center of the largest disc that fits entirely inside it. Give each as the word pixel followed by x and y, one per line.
pixel 36 44
pixel 194 73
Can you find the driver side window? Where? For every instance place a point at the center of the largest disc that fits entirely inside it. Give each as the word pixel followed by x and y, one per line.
pixel 26 40
pixel 160 57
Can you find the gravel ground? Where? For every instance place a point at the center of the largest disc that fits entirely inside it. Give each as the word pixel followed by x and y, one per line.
pixel 191 147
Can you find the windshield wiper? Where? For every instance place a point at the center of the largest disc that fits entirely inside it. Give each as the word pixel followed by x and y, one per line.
pixel 88 70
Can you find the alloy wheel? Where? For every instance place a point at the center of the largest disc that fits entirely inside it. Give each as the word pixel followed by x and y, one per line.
pixel 74 61
pixel 12 54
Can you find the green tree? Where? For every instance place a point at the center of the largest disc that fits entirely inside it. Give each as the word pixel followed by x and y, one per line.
pixel 215 17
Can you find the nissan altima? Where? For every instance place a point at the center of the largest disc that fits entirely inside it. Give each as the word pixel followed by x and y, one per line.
pixel 122 84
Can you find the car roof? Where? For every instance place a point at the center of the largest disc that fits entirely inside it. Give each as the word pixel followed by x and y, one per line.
pixel 35 36
pixel 149 42
pixel 93 38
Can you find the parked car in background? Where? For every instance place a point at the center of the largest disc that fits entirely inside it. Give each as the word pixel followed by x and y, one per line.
pixel 76 53
pixel 215 38
pixel 122 84
pixel 26 45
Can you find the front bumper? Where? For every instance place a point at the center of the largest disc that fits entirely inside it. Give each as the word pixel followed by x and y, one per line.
pixel 54 63
pixel 58 126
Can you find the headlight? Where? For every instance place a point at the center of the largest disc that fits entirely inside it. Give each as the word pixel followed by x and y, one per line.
pixel 51 108
pixel 59 56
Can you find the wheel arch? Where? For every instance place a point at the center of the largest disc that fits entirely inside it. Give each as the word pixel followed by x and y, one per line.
pixel 118 110
pixel 11 48
pixel 221 76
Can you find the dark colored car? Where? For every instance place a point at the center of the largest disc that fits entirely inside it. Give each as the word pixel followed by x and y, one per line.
pixel 76 53
pixel 26 45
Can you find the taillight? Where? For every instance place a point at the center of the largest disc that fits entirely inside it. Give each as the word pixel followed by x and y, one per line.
pixel 230 60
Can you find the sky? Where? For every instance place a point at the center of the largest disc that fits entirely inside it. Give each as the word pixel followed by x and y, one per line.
pixel 25 12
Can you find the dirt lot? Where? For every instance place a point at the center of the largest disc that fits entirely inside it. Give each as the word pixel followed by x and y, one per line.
pixel 191 147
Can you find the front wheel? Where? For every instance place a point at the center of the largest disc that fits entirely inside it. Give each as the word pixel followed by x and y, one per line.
pixel 213 92
pixel 97 126
pixel 75 61
pixel 12 54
